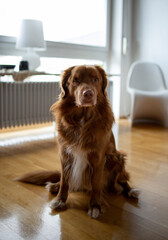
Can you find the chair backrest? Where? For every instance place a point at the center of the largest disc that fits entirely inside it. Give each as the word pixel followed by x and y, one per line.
pixel 146 76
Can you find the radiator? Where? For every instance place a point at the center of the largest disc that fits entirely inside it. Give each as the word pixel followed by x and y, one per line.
pixel 24 103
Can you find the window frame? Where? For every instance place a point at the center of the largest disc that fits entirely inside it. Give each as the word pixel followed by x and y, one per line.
pixel 62 49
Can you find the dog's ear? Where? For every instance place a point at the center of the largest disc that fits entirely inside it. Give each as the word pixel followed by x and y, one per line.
pixel 64 85
pixel 104 77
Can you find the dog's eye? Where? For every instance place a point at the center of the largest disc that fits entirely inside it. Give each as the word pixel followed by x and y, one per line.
pixel 95 79
pixel 75 80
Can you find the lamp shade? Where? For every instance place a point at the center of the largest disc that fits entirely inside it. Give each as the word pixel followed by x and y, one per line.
pixel 31 35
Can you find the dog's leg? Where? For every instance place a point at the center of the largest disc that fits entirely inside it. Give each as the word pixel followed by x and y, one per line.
pixel 60 201
pixel 95 201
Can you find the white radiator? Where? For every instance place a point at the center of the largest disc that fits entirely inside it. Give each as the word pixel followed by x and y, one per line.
pixel 24 103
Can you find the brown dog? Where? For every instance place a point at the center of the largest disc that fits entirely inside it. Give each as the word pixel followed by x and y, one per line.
pixel 88 154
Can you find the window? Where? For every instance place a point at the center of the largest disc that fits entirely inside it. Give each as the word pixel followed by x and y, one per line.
pixel 76 31
pixel 73 21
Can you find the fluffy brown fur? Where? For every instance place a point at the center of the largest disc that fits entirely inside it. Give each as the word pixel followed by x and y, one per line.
pixel 88 154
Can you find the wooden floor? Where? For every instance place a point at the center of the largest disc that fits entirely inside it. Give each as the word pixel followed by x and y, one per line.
pixel 24 208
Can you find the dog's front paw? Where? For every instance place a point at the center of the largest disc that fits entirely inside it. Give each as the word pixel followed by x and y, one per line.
pixel 57 204
pixel 94 212
pixel 134 193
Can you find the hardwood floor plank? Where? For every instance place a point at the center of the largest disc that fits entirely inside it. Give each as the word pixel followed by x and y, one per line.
pixel 25 211
pixel 26 218
pixel 7 233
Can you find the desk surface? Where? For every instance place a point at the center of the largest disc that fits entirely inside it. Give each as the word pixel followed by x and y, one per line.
pixel 20 76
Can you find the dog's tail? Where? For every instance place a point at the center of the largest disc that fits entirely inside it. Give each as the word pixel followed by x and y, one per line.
pixel 40 177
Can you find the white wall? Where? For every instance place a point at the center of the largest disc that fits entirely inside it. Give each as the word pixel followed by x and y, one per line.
pixel 146 21
pixel 150 32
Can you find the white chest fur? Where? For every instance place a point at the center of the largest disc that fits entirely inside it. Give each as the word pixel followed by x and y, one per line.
pixel 80 170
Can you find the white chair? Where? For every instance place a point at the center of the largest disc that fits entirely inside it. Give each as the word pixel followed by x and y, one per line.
pixel 149 95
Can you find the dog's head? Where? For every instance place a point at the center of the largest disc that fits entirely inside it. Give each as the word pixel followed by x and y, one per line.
pixel 85 84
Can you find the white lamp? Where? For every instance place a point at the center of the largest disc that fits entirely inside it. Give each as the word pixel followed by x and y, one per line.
pixel 31 37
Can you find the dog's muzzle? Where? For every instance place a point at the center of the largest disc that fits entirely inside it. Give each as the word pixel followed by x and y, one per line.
pixel 87 95
pixel 87 98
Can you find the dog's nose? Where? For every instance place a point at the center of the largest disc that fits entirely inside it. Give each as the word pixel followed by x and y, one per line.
pixel 88 94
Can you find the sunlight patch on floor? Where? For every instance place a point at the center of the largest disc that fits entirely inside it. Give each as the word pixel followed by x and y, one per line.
pixel 18 137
